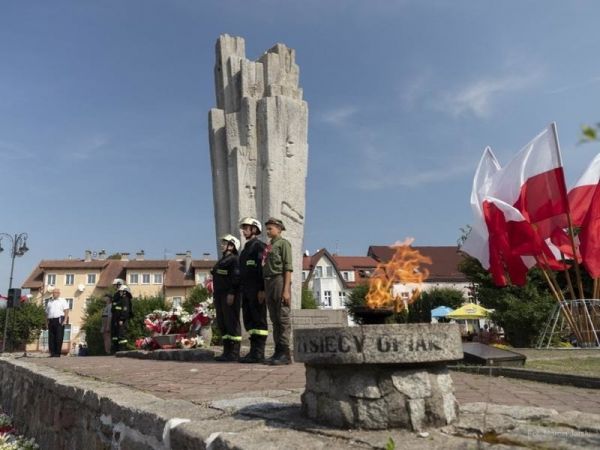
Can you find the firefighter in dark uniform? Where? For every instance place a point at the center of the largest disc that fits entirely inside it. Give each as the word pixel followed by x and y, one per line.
pixel 252 288
pixel 121 311
pixel 226 284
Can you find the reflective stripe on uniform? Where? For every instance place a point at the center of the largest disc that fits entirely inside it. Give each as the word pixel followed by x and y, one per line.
pixel 115 338
pixel 251 262
pixel 259 332
pixel 123 341
pixel 222 271
pixel 232 338
pixel 118 307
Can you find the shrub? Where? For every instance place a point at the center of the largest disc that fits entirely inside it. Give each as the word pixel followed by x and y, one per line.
pixel 25 324
pixel 308 299
pixel 196 296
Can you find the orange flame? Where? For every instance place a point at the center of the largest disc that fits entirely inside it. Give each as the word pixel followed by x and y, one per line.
pixel 404 268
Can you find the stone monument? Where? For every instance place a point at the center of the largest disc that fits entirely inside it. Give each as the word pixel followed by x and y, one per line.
pixel 258 143
pixel 379 376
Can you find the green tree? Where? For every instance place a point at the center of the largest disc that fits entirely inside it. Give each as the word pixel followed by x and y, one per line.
pixel 420 310
pixel 92 322
pixel 25 324
pixel 196 296
pixel 521 311
pixel 308 299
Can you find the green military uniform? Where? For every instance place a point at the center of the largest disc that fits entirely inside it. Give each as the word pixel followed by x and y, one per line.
pixel 277 261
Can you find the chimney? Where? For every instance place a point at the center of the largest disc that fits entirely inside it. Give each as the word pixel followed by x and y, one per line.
pixel 88 255
pixel 205 256
pixel 102 255
pixel 139 256
pixel 188 261
pixel 124 256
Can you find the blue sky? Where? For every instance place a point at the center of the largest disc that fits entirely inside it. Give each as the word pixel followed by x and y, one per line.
pixel 103 113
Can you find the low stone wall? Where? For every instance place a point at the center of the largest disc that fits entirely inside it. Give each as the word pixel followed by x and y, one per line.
pixel 63 411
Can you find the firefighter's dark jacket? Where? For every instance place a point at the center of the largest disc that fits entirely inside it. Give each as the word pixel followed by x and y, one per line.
pixel 251 265
pixel 121 307
pixel 226 275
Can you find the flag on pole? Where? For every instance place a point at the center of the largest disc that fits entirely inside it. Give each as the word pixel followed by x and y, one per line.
pixel 534 183
pixel 477 242
pixel 586 203
pixel 580 195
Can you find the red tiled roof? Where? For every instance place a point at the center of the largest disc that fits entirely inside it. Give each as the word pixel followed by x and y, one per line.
pixel 147 264
pixel 354 262
pixel 445 260
pixel 72 264
pixel 35 280
pixel 203 264
pixel 176 276
pixel 114 269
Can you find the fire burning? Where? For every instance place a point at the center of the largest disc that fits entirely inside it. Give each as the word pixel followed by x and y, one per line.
pixel 403 269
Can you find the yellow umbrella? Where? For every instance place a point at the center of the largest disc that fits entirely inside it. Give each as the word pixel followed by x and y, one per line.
pixel 469 311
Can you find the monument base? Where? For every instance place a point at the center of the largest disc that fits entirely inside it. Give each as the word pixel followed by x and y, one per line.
pixel 379 397
pixel 379 376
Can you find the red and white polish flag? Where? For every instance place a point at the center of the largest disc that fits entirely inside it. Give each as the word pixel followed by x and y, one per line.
pixel 534 183
pixel 585 207
pixel 581 194
pixel 477 242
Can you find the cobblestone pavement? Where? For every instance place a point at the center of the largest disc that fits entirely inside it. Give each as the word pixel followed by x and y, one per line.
pixel 204 381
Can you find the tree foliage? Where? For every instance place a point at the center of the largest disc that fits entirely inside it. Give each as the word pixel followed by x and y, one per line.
pixel 196 296
pixel 308 299
pixel 521 311
pixel 25 323
pixel 420 311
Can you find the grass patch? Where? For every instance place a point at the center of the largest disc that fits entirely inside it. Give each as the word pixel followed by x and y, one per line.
pixel 576 366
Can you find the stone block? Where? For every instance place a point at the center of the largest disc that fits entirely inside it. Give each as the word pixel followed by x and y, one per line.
pixel 378 344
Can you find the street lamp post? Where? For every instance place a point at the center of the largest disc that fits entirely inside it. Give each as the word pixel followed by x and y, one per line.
pixel 18 247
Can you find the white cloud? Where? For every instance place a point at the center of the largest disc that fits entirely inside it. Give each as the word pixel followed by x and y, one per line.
pixel 338 117
pixel 478 97
pixel 570 87
pixel 12 151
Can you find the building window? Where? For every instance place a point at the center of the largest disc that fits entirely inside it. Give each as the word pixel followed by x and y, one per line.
pixel 91 278
pixel 67 333
pixel 304 275
pixel 318 272
pixel 342 297
pixel 145 278
pixel 70 302
pixel 134 278
pixel 176 302
pixel 158 279
pixel 329 271
pixel 51 279
pixel 327 299
pixel 88 302
pixel 345 275
pixel 69 279
pixel 201 277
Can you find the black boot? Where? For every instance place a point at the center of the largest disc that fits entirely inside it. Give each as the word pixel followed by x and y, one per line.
pixel 284 358
pixel 226 351
pixel 257 351
pixel 275 355
pixel 251 355
pixel 234 354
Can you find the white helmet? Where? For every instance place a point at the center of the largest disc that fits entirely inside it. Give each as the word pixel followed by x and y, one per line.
pixel 124 288
pixel 251 221
pixel 232 240
pixel 118 281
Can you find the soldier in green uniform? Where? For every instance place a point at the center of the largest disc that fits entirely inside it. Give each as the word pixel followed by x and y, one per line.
pixel 226 285
pixel 277 272
pixel 254 308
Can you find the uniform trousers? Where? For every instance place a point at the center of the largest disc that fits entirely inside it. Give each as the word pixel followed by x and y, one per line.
pixel 278 312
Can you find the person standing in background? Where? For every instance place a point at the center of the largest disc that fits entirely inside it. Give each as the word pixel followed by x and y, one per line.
pixel 57 315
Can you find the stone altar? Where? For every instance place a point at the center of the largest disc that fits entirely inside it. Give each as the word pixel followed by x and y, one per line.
pixel 379 376
pixel 258 143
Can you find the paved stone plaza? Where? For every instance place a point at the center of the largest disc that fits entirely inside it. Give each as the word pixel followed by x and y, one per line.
pixel 201 382
pixel 124 403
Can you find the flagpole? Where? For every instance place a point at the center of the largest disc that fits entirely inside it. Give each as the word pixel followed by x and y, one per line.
pixel 568 277
pixel 569 221
pixel 559 297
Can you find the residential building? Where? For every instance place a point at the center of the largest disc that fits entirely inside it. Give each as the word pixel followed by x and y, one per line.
pixel 81 279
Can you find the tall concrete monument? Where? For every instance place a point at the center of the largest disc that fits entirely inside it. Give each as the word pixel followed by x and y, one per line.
pixel 258 143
